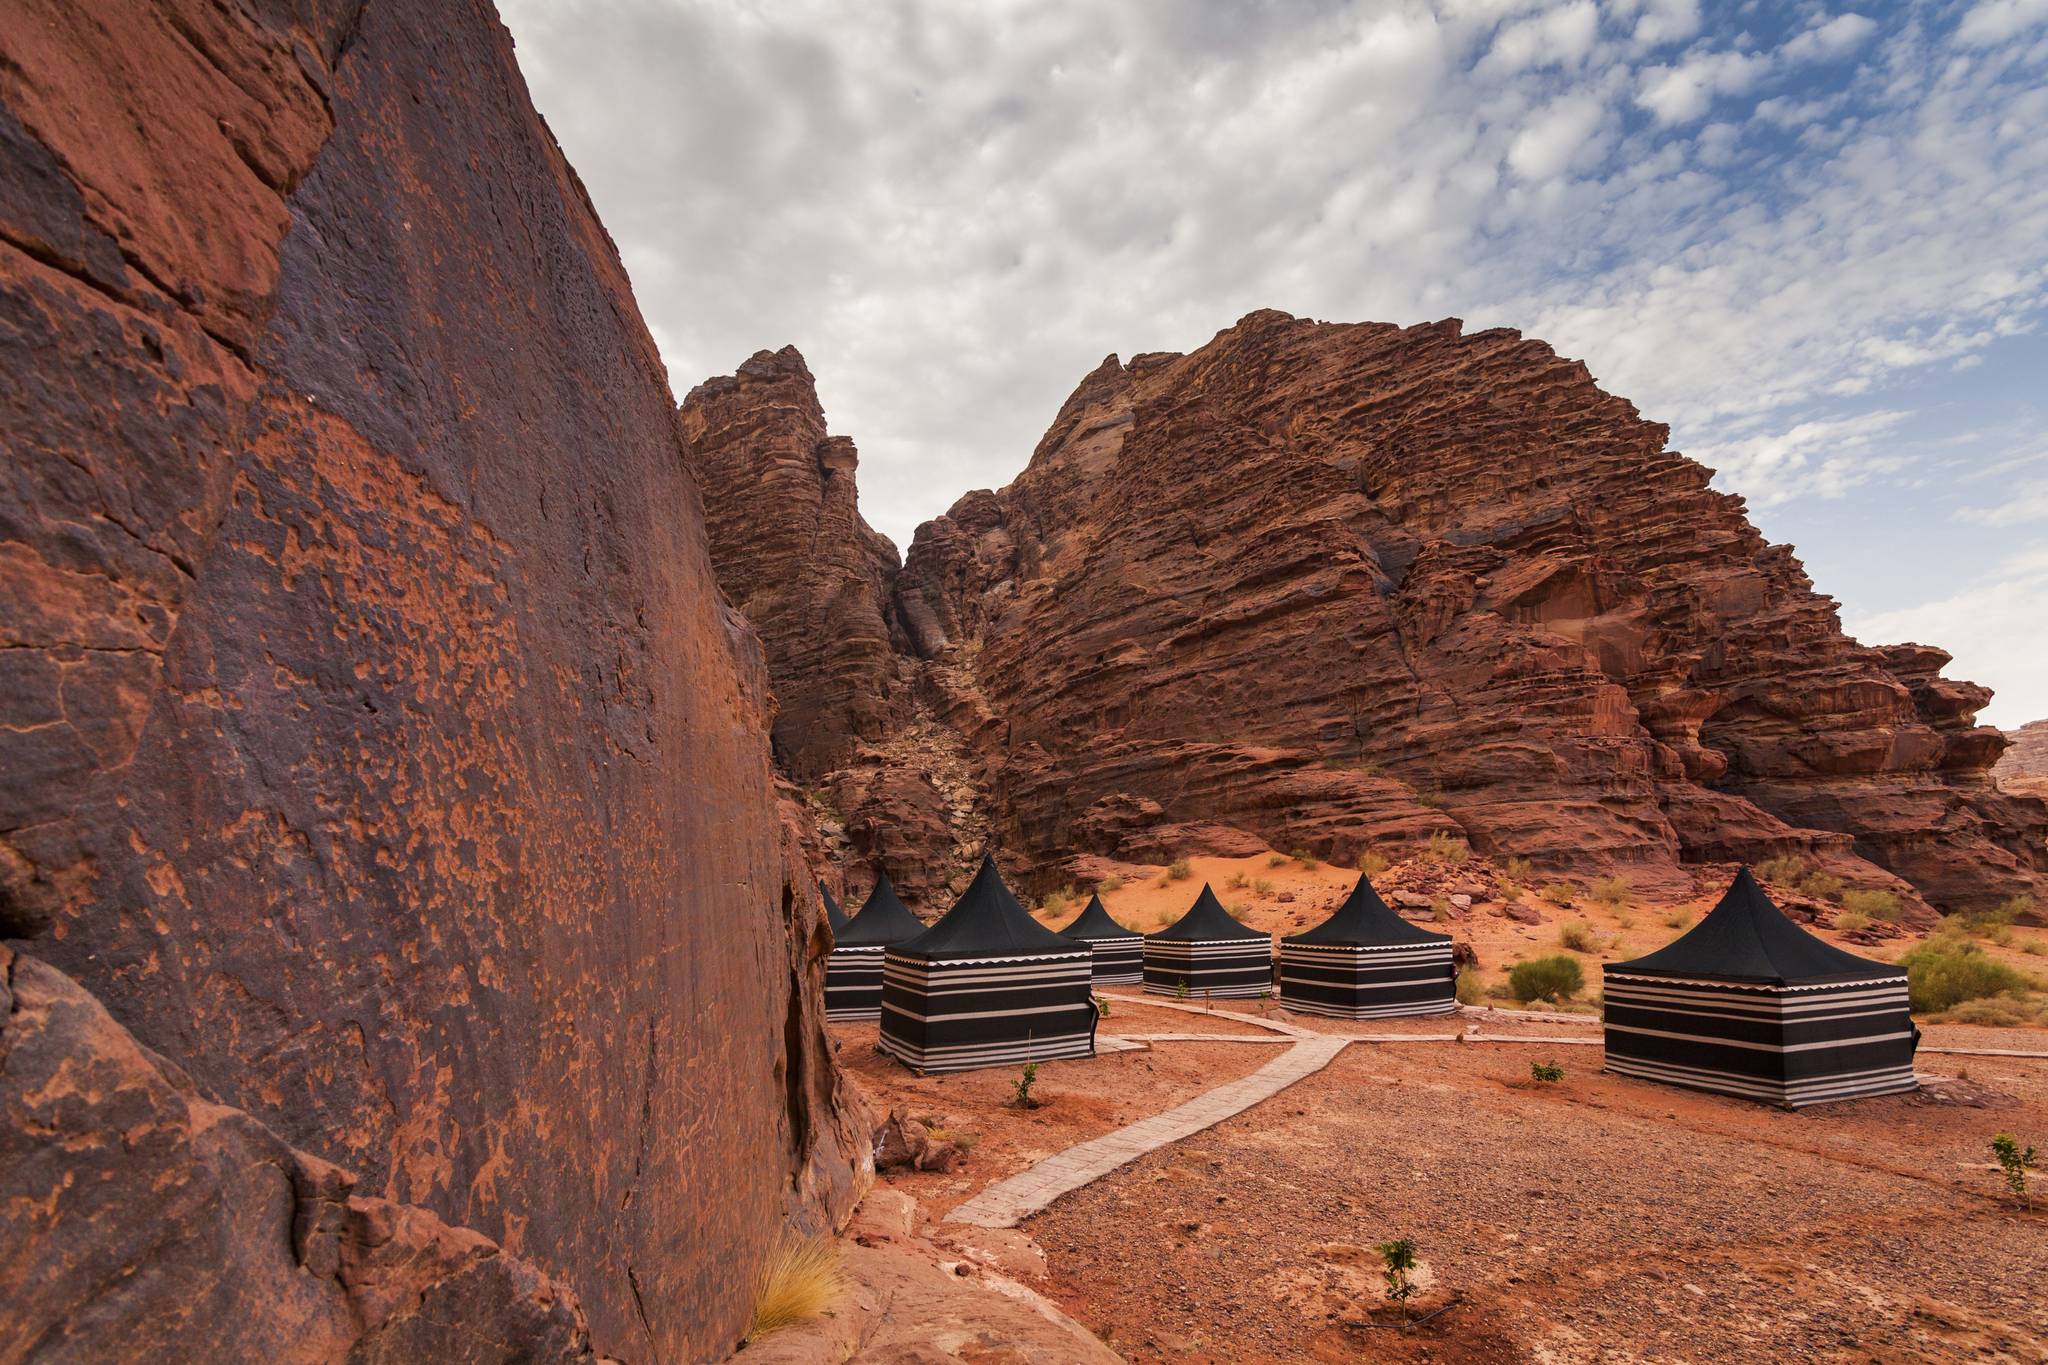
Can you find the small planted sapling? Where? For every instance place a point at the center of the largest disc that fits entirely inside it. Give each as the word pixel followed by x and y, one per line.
pixel 1399 1254
pixel 1546 1072
pixel 2015 1161
pixel 1024 1084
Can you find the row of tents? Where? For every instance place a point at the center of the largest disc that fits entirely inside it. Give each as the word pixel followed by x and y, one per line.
pixel 1745 1003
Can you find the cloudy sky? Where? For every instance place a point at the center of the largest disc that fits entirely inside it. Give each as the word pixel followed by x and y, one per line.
pixel 1811 237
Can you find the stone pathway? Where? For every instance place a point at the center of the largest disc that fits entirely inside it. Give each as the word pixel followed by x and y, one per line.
pixel 1008 1202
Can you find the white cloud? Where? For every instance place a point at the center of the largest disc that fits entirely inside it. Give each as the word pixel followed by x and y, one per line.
pixel 1823 458
pixel 1990 22
pixel 1992 627
pixel 1557 37
pixel 1827 41
pixel 1682 93
pixel 1554 137
pixel 1667 21
pixel 2026 502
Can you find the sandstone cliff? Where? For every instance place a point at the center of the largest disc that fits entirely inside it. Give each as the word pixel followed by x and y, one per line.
pixel 373 740
pixel 1330 586
pixel 2023 769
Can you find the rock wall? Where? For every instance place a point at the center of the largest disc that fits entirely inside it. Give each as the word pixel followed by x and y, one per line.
pixel 1334 585
pixel 794 555
pixel 2023 769
pixel 374 742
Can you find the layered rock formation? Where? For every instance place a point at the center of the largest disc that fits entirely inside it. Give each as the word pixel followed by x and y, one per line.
pixel 2023 768
pixel 1329 586
pixel 373 740
pixel 794 556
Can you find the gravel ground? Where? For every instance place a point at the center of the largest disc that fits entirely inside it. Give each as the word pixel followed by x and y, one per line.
pixel 1597 1219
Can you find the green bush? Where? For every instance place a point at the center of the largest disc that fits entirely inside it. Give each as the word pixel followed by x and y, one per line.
pixel 1555 978
pixel 1548 1073
pixel 1576 935
pixel 1882 905
pixel 1787 869
pixel 1276 860
pixel 1943 972
pixel 1469 990
pixel 1851 921
pixel 1822 886
pixel 1611 892
pixel 1305 858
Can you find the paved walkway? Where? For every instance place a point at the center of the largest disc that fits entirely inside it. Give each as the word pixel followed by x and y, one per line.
pixel 1008 1202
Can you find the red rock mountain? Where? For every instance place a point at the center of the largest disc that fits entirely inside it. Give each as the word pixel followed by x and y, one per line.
pixel 375 747
pixel 2023 769
pixel 1329 586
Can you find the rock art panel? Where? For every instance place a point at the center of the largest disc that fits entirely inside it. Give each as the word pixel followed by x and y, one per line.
pixel 374 742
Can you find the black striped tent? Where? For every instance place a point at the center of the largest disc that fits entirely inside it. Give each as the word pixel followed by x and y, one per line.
pixel 1208 953
pixel 986 986
pixel 853 974
pixel 1750 1004
pixel 1366 962
pixel 1119 952
pixel 834 916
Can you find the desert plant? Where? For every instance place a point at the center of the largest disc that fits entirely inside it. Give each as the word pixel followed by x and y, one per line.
pixel 1276 860
pixel 1558 893
pixel 1371 863
pixel 1440 909
pixel 800 1280
pixel 1025 1081
pixel 1787 868
pixel 1180 989
pixel 1576 935
pixel 1305 858
pixel 1519 870
pixel 1851 921
pixel 2034 947
pixel 1237 909
pixel 1399 1254
pixel 1824 886
pixel 1261 887
pixel 1993 1012
pixel 1469 990
pixel 1108 884
pixel 1611 892
pixel 1442 848
pixel 1876 904
pixel 1101 1006
pixel 1677 919
pixel 1178 870
pixel 1945 971
pixel 1054 902
pixel 1238 881
pixel 2015 1161
pixel 1555 978
pixel 1546 1072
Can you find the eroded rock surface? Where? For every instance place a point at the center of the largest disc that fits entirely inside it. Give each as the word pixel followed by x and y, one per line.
pixel 2023 768
pixel 374 742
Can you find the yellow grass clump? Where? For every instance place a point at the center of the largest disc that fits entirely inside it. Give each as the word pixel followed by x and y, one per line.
pixel 802 1279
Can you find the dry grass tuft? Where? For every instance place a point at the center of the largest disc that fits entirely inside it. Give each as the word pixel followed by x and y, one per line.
pixel 801 1280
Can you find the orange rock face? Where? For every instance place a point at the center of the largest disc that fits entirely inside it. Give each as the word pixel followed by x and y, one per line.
pixel 2023 768
pixel 373 740
pixel 1328 586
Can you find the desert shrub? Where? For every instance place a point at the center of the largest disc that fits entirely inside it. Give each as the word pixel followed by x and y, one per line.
pixel 1994 1012
pixel 2034 947
pixel 1276 860
pixel 1611 892
pixel 1576 935
pixel 1945 971
pixel 1470 991
pixel 1178 870
pixel 1519 870
pixel 1995 923
pixel 1238 881
pixel 1108 884
pixel 1546 1072
pixel 1882 905
pixel 1054 902
pixel 2014 1160
pixel 1430 800
pixel 1399 1255
pixel 1499 990
pixel 1371 863
pixel 800 1280
pixel 1305 858
pixel 1442 848
pixel 1852 921
pixel 1440 909
pixel 1825 886
pixel 1788 868
pixel 1677 919
pixel 1558 893
pixel 1262 887
pixel 1237 908
pixel 1553 978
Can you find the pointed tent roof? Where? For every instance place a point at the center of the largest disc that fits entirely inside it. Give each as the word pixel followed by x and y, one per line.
pixel 986 921
pixel 1207 919
pixel 1746 938
pixel 1094 922
pixel 884 920
pixel 1364 920
pixel 834 916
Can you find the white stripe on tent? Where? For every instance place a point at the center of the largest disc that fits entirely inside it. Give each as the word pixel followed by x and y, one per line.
pixel 951 1017
pixel 1721 1041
